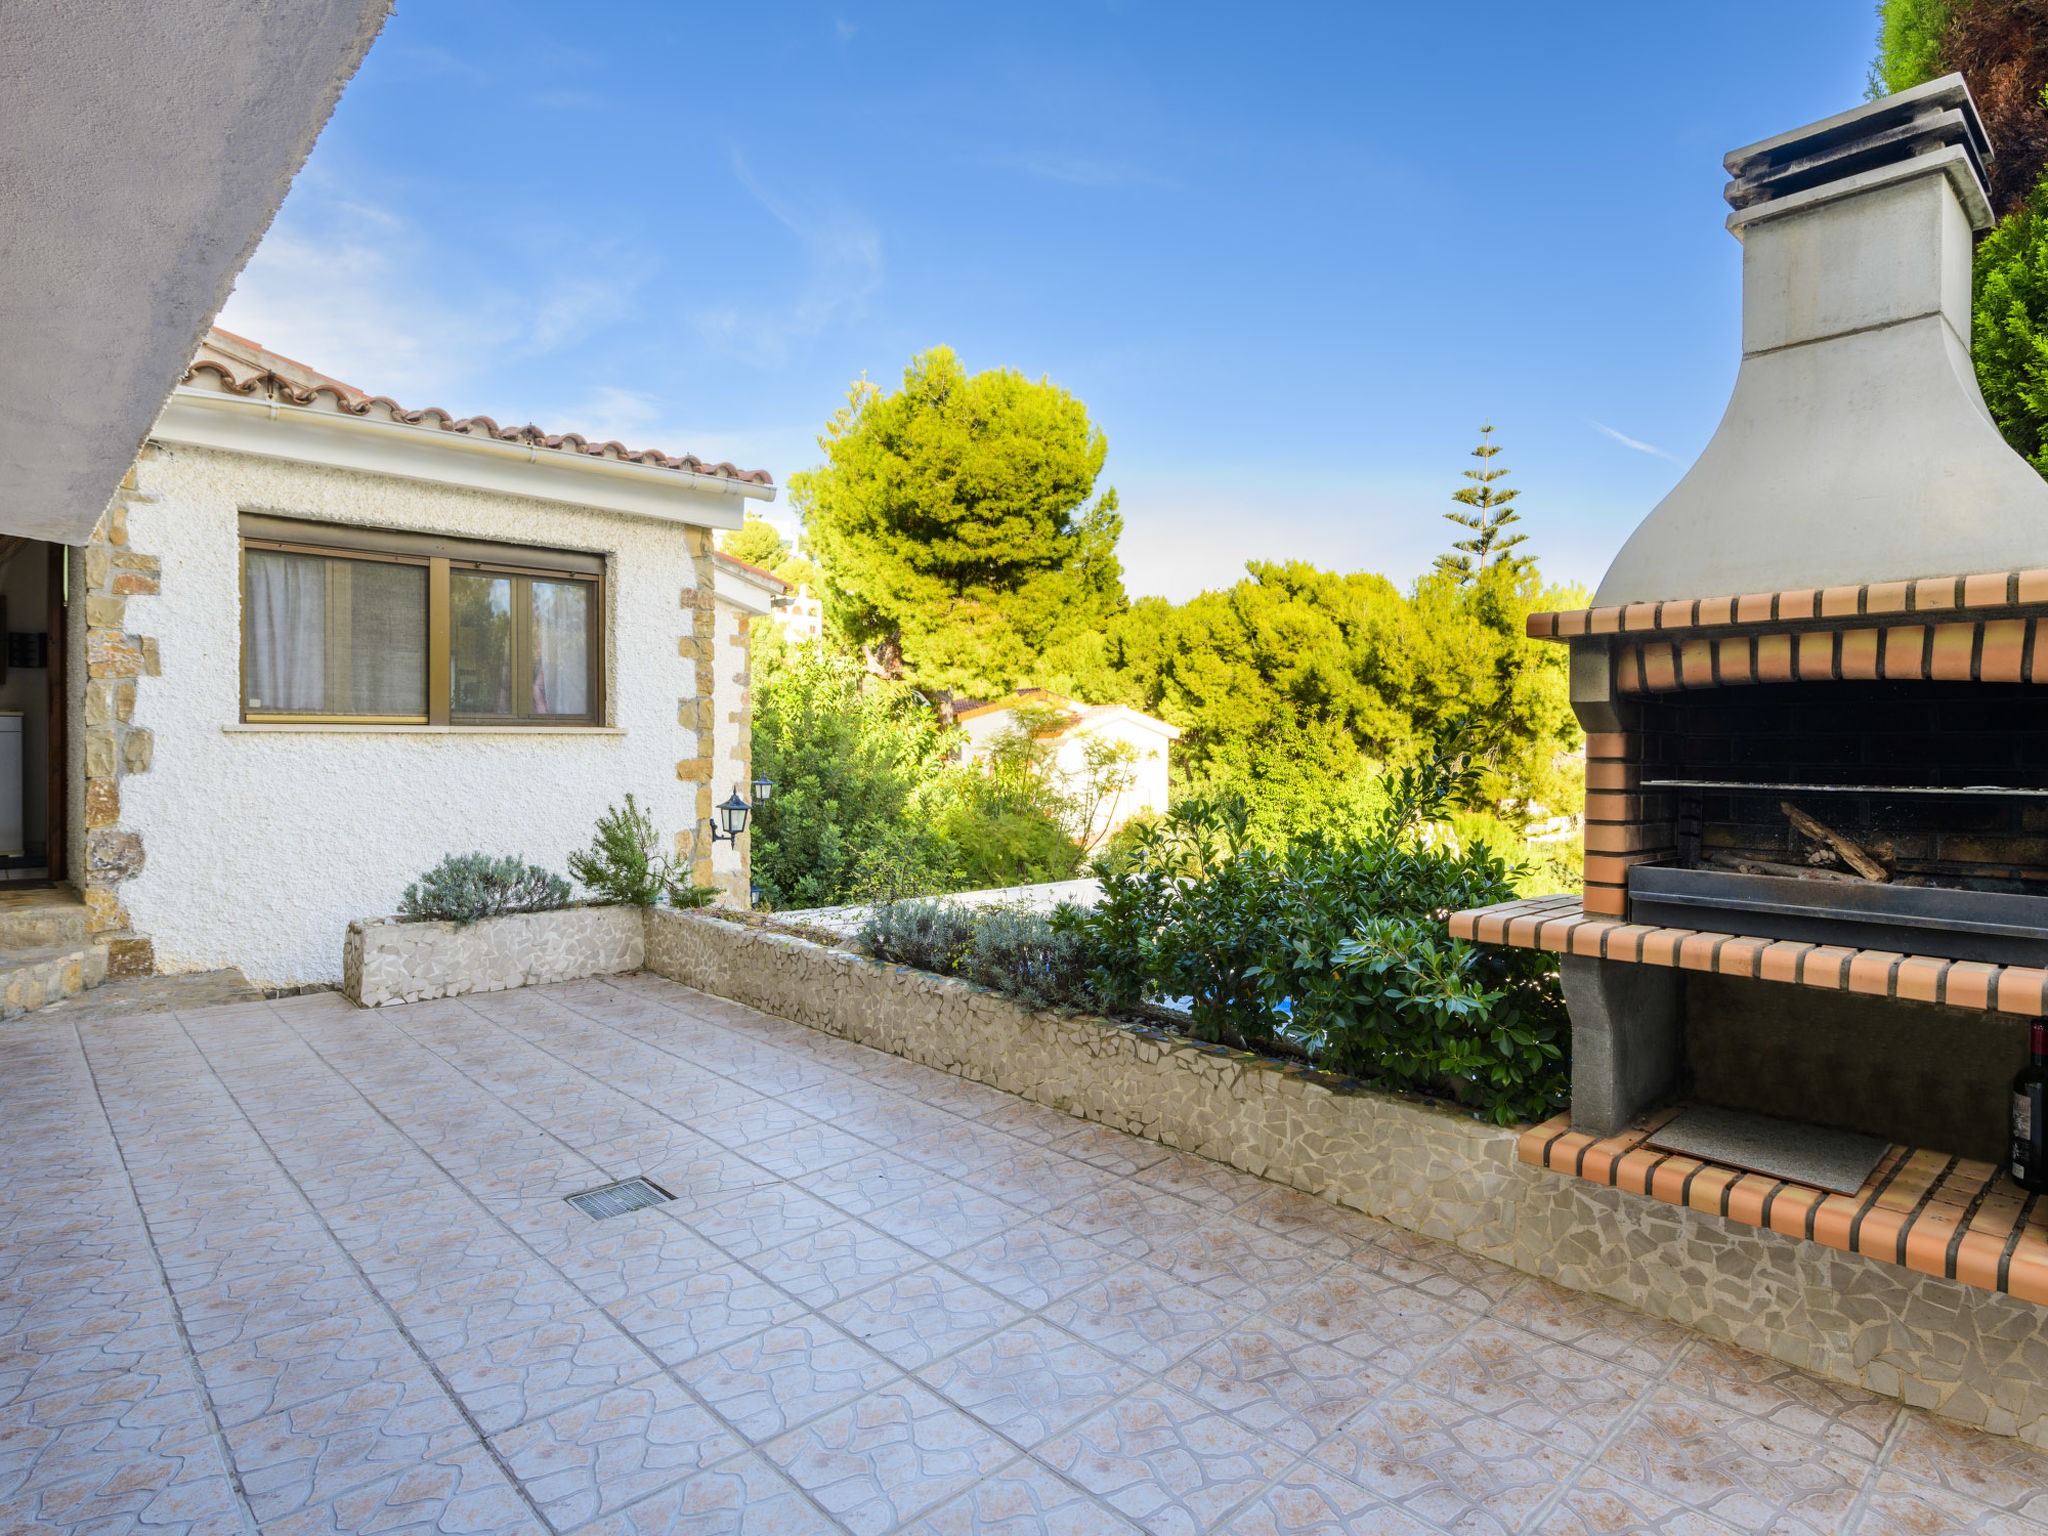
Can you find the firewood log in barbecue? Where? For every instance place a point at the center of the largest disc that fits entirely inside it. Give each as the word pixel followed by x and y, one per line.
pixel 1852 854
pixel 1743 866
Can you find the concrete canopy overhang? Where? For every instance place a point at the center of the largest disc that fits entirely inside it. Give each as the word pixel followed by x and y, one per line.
pixel 147 149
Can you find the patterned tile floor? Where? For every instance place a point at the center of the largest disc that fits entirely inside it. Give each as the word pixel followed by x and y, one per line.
pixel 293 1267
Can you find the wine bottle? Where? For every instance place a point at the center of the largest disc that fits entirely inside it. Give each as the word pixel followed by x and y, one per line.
pixel 2030 1116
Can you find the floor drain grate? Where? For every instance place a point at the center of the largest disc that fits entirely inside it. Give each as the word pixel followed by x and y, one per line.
pixel 620 1199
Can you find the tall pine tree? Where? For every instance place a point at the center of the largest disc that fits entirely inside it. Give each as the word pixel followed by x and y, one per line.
pixel 1487 520
pixel 953 526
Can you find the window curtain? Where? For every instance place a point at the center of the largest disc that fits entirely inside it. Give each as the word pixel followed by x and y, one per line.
pixel 561 648
pixel 287 632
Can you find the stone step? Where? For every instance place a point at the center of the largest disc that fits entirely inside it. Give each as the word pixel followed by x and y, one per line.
pixel 38 919
pixel 41 974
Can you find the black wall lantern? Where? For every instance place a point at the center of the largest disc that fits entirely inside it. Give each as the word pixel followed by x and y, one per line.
pixel 732 820
pixel 732 815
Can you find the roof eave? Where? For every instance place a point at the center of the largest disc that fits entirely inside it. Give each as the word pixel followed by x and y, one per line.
pixel 205 418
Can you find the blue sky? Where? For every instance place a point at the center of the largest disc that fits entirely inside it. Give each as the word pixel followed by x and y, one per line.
pixel 1291 256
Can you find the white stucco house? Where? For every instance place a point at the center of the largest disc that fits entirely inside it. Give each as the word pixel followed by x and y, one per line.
pixel 1069 728
pixel 320 640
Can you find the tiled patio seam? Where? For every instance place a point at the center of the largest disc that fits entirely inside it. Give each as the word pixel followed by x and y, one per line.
pixel 355 1267
pixel 156 1264
pixel 1853 1520
pixel 660 1366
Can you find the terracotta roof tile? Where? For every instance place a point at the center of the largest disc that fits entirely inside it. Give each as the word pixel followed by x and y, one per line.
pixel 210 372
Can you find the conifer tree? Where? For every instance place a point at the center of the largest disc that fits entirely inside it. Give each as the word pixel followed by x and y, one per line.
pixel 1487 521
pixel 953 526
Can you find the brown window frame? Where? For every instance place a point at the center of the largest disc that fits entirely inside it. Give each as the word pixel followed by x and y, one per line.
pixel 439 556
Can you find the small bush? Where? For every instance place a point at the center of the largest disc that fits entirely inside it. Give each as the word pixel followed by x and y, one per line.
pixel 623 863
pixel 466 886
pixel 1020 955
pixel 1025 958
pixel 931 935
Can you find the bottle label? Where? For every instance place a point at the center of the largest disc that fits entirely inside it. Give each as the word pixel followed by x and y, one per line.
pixel 2027 1131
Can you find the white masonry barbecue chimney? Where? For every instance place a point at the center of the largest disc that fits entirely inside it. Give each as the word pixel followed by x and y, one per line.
pixel 1856 447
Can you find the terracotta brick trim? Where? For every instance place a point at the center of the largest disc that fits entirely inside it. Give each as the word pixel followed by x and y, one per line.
pixel 1997 590
pixel 1561 924
pixel 1983 650
pixel 1923 1210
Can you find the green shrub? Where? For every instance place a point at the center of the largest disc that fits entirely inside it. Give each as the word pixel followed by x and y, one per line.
pixel 931 935
pixel 902 864
pixel 466 886
pixel 853 759
pixel 1018 954
pixel 1024 957
pixel 624 864
pixel 1014 847
pixel 1421 1011
pixel 1337 946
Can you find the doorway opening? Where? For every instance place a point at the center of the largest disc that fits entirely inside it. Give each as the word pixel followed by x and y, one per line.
pixel 34 771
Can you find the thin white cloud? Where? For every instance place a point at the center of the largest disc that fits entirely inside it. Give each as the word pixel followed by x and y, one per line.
pixel 844 29
pixel 1630 442
pixel 358 291
pixel 844 251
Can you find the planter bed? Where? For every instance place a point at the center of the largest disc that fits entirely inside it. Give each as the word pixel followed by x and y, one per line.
pixel 396 960
pixel 1975 1355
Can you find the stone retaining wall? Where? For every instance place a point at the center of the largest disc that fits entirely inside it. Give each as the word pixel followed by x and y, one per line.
pixel 1974 1355
pixel 387 960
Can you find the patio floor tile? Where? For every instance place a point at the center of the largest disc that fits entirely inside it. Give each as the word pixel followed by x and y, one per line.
pixel 299 1267
pixel 786 1376
pixel 597 1456
pixel 888 1457
pixel 1030 1382
pixel 1023 1499
pixel 915 1318
pixel 1169 1462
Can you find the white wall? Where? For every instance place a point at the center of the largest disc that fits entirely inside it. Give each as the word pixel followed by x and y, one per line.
pixel 1070 758
pixel 262 845
pixel 1148 794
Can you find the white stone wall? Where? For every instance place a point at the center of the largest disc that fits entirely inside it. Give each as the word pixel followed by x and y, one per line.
pixel 387 960
pixel 261 846
pixel 1974 1355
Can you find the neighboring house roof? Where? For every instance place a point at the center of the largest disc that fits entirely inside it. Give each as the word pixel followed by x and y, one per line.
pixel 748 571
pixel 1080 717
pixel 234 365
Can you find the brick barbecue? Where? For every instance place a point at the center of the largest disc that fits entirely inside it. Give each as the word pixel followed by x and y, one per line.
pixel 1811 683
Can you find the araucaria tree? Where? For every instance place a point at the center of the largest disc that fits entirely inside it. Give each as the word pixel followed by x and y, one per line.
pixel 953 524
pixel 1487 520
